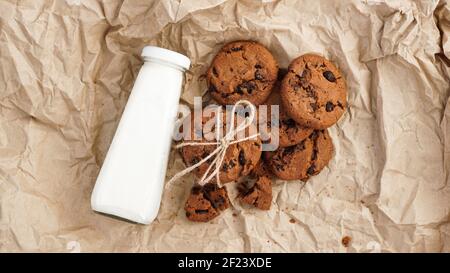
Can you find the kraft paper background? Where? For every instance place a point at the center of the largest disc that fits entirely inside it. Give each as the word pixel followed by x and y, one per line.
pixel 67 69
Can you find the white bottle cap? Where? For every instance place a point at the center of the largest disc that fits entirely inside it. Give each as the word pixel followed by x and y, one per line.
pixel 166 55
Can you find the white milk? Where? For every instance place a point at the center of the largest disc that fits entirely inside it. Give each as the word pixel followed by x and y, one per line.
pixel 131 180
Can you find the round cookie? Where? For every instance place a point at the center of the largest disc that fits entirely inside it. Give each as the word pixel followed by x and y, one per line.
pixel 240 158
pixel 289 131
pixel 242 70
pixel 303 160
pixel 314 92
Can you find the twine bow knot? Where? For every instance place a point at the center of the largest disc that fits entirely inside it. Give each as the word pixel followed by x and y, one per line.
pixel 222 146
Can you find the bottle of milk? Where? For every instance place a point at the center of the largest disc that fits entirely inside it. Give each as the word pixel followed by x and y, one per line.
pixel 131 180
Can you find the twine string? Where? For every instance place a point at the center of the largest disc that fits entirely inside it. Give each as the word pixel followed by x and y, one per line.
pixel 222 145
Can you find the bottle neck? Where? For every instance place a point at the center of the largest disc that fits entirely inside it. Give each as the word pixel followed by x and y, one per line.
pixel 162 62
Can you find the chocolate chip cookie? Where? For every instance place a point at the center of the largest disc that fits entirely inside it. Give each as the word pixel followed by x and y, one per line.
pixel 242 70
pixel 303 160
pixel 205 203
pixel 240 158
pixel 314 92
pixel 289 131
pixel 257 193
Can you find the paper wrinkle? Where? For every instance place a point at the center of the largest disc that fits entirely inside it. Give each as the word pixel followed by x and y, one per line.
pixel 69 67
pixel 443 18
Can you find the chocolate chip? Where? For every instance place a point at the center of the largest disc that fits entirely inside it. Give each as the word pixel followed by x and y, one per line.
pixel 329 76
pixel 258 75
pixel 224 167
pixel 201 211
pixel 235 49
pixel 250 87
pixel 242 159
pixel 257 66
pixel 245 86
pixel 329 106
pixel 311 170
pixel 290 123
pixel 288 150
pixel 215 72
pixel 217 202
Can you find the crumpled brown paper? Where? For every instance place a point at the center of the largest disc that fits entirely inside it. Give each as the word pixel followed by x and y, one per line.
pixel 67 68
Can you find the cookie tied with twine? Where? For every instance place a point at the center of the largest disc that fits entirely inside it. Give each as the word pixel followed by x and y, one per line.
pixel 244 150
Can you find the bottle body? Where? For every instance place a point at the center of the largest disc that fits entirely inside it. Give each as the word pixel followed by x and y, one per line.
pixel 131 180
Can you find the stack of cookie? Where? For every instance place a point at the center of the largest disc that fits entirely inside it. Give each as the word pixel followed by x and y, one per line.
pixel 311 96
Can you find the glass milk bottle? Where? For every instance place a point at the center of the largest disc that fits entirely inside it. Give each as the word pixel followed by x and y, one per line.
pixel 131 180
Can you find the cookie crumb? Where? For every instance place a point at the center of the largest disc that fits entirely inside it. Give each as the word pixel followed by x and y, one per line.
pixel 292 221
pixel 346 240
pixel 234 214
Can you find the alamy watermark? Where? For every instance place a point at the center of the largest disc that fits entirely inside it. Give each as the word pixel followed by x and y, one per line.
pixel 212 122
